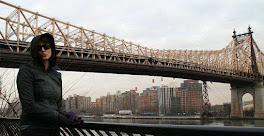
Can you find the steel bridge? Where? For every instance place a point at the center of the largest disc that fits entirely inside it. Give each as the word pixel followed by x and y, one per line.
pixel 80 49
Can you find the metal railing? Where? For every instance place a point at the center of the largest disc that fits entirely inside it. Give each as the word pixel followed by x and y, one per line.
pixel 9 127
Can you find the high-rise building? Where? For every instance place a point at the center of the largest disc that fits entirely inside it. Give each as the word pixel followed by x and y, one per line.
pixel 148 101
pixel 97 107
pixel 184 99
pixel 227 108
pixel 87 103
pixel 103 103
pixel 168 102
pixel 129 101
pixel 108 104
pixel 193 99
pixel 117 102
pixel 77 103
pixel 112 103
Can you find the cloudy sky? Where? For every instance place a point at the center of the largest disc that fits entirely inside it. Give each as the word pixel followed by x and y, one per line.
pixel 159 24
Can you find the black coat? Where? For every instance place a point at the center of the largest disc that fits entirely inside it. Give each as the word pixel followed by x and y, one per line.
pixel 40 90
pixel 40 93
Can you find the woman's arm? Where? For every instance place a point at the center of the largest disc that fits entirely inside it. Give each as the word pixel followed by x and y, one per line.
pixel 59 103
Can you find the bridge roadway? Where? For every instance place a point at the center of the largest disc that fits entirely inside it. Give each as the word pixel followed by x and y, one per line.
pixel 98 61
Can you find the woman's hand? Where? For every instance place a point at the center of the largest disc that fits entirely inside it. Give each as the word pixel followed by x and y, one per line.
pixel 63 120
pixel 74 118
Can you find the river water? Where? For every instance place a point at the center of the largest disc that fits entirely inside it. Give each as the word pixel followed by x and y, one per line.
pixel 248 123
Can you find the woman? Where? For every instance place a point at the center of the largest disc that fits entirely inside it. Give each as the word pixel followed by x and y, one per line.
pixel 40 91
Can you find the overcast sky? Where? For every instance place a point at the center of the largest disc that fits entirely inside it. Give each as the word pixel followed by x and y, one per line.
pixel 159 24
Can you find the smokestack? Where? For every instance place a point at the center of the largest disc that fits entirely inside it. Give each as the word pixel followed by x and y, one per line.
pixel 136 88
pixel 162 81
pixel 153 82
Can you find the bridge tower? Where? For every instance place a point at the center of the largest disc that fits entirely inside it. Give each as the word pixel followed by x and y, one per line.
pixel 256 89
pixel 206 104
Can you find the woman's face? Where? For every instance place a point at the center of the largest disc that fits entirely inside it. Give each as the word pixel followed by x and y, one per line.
pixel 44 50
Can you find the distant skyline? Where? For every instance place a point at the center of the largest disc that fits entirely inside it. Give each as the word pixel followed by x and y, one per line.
pixel 159 24
pixel 95 85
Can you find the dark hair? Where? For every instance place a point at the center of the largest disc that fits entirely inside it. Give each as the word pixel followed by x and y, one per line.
pixel 46 38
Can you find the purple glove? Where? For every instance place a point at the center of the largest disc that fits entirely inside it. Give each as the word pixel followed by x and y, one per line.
pixel 74 118
pixel 63 120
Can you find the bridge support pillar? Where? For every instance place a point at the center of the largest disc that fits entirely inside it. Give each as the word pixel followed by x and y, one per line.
pixel 237 92
pixel 236 102
pixel 259 100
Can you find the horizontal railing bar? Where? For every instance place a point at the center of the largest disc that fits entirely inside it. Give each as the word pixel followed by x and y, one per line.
pixel 152 129
pixel 157 129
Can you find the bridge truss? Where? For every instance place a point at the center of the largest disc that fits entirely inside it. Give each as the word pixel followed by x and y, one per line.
pixel 241 58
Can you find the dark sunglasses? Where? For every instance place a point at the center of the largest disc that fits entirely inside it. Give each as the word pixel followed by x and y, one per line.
pixel 46 46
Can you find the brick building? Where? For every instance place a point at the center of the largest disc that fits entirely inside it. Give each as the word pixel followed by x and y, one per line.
pixel 185 99
pixel 77 103
pixel 148 101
